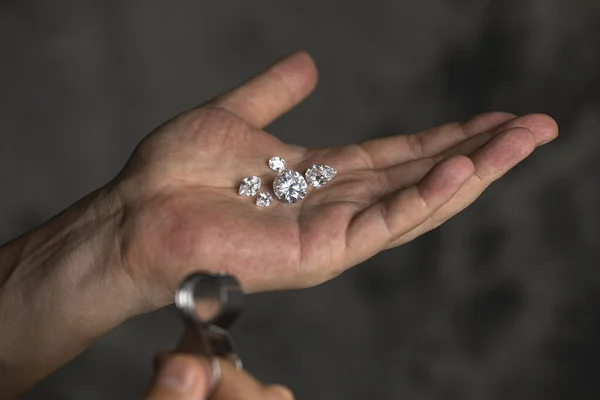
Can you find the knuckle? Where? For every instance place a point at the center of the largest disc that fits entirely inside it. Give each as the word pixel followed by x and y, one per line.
pixel 415 145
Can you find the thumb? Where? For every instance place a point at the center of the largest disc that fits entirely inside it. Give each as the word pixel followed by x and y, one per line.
pixel 181 377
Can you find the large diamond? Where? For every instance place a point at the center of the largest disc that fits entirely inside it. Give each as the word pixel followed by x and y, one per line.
pixel 277 164
pixel 290 186
pixel 250 186
pixel 319 174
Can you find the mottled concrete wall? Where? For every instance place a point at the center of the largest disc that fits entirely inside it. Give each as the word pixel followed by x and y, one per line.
pixel 502 302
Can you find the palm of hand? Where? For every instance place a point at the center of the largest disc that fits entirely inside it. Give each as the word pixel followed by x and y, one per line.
pixel 183 212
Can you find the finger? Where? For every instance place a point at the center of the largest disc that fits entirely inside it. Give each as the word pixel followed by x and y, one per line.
pixel 402 175
pixel 456 138
pixel 238 385
pixel 543 128
pixel 386 220
pixel 411 172
pixel 398 148
pixel 273 92
pixel 278 392
pixel 491 162
pixel 182 377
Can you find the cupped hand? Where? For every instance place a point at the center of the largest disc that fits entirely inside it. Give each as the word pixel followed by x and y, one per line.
pixel 182 211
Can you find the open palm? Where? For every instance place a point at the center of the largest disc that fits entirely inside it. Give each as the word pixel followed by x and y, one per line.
pixel 183 211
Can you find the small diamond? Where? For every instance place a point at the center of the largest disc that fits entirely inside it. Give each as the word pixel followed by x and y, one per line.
pixel 250 186
pixel 319 174
pixel 290 186
pixel 264 199
pixel 277 164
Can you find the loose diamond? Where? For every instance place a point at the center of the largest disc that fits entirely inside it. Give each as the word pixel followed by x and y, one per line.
pixel 250 186
pixel 277 164
pixel 264 199
pixel 290 186
pixel 319 174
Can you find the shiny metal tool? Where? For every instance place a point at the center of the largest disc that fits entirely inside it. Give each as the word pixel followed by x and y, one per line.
pixel 209 304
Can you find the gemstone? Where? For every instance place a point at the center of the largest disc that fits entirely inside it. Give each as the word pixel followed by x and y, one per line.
pixel 250 186
pixel 290 186
pixel 264 199
pixel 319 174
pixel 277 164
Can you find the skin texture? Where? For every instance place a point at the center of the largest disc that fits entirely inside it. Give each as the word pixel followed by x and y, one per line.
pixel 183 211
pixel 175 209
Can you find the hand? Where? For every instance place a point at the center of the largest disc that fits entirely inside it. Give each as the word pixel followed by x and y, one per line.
pixel 186 377
pixel 174 209
pixel 183 212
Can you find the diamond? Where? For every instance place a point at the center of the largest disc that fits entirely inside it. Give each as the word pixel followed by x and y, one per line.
pixel 250 186
pixel 277 164
pixel 319 174
pixel 290 186
pixel 264 199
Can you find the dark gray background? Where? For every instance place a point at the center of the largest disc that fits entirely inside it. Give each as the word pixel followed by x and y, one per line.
pixel 501 302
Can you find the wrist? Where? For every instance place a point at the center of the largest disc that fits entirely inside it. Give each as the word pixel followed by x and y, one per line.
pixel 62 286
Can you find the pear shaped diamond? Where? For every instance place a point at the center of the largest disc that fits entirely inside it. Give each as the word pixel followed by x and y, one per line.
pixel 319 174
pixel 290 186
pixel 250 186
pixel 264 199
pixel 277 164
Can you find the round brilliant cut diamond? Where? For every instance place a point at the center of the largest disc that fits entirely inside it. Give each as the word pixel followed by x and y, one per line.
pixel 277 164
pixel 290 186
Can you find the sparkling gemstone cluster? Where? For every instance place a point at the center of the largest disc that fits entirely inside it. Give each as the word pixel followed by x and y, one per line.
pixel 289 186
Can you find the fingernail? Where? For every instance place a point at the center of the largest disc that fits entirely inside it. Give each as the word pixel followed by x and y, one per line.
pixel 176 375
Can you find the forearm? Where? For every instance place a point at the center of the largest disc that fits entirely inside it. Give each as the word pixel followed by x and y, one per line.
pixel 60 290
